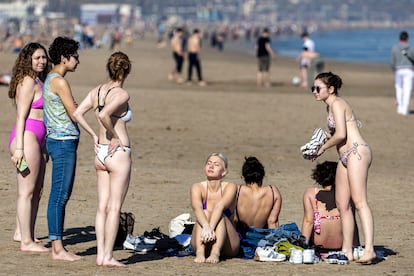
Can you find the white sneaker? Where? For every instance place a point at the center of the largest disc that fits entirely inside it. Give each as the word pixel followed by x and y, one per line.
pixel 268 254
pixel 131 241
pixel 296 256
pixel 308 256
pixel 358 252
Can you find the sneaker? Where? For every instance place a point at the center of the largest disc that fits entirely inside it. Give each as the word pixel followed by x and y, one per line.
pixel 296 256
pixel 358 252
pixel 308 256
pixel 144 247
pixel 130 241
pixel 154 235
pixel 137 243
pixel 268 254
pixel 342 259
pixel 332 258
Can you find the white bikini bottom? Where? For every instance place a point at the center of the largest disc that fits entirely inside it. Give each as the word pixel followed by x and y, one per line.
pixel 103 152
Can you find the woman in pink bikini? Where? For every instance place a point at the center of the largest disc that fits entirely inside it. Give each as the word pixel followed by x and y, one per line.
pixel 27 140
pixel 321 220
pixel 355 159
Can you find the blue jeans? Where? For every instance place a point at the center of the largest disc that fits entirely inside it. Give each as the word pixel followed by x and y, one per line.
pixel 63 155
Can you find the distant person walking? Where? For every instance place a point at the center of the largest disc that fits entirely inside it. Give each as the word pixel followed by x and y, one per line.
pixel 194 49
pixel 178 55
pixel 264 55
pixel 402 63
pixel 311 61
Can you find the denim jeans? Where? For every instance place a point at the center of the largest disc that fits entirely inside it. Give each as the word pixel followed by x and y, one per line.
pixel 63 155
pixel 255 237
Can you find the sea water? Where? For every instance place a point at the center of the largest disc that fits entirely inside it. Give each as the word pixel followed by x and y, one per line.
pixel 359 45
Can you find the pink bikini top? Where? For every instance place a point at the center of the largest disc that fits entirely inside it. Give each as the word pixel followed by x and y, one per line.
pixel 317 216
pixel 38 104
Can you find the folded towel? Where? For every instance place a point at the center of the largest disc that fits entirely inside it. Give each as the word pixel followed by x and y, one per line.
pixel 310 149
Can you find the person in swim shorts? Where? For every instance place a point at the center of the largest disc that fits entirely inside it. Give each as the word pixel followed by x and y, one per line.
pixel 256 205
pixel 355 160
pixel 321 220
pixel 62 139
pixel 27 140
pixel 213 201
pixel 264 54
pixel 109 102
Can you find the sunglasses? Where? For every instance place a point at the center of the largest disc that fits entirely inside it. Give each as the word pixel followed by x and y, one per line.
pixel 75 56
pixel 317 88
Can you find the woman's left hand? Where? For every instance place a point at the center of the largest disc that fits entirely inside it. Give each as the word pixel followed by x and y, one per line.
pixel 207 234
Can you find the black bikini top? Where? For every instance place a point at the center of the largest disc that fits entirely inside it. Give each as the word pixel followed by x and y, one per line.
pixel 101 106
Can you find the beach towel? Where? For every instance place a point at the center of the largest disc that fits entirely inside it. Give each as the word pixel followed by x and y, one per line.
pixel 310 149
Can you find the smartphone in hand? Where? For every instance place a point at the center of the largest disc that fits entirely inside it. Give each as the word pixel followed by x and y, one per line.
pixel 23 165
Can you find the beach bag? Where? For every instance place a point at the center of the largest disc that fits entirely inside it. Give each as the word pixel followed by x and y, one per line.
pixel 126 226
pixel 181 224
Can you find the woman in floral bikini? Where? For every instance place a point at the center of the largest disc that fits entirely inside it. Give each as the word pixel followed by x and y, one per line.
pixel 352 172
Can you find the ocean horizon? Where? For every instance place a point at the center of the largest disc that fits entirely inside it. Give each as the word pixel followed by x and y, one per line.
pixel 355 45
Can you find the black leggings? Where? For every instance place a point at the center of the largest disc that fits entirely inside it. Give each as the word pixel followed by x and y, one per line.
pixel 194 61
pixel 178 62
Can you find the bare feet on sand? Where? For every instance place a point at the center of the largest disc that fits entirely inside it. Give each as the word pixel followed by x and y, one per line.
pixel 33 247
pixel 213 258
pixel 368 257
pixel 110 263
pixel 65 255
pixel 17 237
pixel 200 258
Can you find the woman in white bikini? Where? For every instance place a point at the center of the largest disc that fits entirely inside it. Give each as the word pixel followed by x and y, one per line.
pixel 352 172
pixel 113 152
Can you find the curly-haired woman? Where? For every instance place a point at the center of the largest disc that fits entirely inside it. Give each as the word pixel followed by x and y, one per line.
pixel 27 140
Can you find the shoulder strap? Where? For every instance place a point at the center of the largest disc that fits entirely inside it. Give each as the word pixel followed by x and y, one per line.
pixel 273 195
pixel 237 200
pixel 405 53
pixel 316 199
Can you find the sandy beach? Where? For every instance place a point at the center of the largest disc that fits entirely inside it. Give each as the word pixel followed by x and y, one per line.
pixel 175 127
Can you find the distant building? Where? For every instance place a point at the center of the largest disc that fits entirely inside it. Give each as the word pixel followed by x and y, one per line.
pixel 108 13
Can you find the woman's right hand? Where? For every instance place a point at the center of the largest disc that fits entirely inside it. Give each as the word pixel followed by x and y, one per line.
pixel 96 144
pixel 17 157
pixel 207 234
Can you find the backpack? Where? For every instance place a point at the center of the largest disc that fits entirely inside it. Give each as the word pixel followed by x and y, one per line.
pixel 126 226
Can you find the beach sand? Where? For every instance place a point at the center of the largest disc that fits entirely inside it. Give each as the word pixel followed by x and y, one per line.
pixel 175 127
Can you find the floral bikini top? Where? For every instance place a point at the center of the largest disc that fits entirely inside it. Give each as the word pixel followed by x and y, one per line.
pixel 332 125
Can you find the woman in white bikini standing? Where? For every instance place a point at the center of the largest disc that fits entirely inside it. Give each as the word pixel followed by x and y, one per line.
pixel 355 160
pixel 113 152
